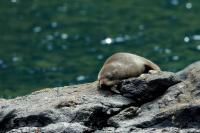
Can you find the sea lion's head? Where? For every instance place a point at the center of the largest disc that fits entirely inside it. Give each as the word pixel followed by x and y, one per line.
pixel 107 76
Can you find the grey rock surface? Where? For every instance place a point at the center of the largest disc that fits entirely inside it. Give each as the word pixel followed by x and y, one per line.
pixel 147 86
pixel 154 102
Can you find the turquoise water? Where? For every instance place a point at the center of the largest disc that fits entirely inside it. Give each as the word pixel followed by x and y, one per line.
pixel 49 43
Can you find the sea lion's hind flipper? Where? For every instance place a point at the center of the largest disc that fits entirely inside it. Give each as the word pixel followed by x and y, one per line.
pixel 150 66
pixel 147 68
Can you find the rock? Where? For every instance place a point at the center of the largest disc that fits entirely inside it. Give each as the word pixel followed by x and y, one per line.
pixel 60 127
pixel 84 105
pixel 168 102
pixel 190 72
pixel 147 86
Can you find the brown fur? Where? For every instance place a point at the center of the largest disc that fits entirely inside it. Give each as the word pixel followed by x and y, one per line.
pixel 122 66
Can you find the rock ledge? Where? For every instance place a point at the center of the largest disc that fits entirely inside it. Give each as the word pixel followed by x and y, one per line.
pixel 157 102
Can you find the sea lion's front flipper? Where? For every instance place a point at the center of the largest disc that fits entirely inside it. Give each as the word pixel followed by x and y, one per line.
pixel 114 89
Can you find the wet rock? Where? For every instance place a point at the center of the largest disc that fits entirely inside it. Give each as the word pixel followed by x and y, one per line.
pixel 168 102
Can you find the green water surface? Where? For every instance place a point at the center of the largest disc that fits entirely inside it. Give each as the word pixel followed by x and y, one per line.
pixel 51 43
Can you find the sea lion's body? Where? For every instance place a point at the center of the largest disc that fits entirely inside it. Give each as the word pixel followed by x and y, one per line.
pixel 122 66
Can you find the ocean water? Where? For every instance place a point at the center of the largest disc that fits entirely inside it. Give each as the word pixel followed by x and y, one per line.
pixel 49 43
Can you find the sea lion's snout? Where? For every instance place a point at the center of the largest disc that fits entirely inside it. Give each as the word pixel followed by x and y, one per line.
pixel 105 82
pixel 102 81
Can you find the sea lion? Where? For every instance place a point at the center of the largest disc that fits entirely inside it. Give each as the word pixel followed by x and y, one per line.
pixel 122 66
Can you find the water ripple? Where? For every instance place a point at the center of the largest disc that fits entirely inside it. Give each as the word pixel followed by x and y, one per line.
pixel 37 29
pixel 188 5
pixel 174 2
pixel 54 24
pixel 198 47
pixel 186 39
pixel 64 36
pixel 80 78
pixel 175 57
pixel 14 1
pixel 118 39
pixel 107 40
pixel 196 37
